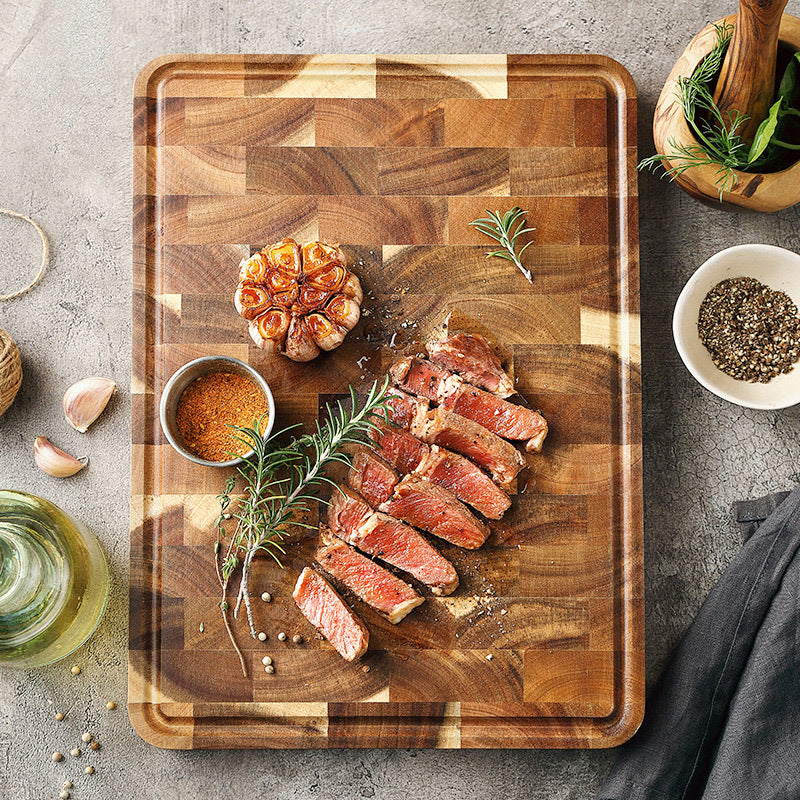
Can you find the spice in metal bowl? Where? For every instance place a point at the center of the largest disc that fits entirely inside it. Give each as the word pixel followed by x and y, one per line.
pixel 751 331
pixel 208 407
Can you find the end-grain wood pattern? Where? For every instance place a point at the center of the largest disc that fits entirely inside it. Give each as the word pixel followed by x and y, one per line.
pixel 392 156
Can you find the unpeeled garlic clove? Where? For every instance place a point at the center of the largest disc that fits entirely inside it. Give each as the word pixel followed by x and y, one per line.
pixel 85 400
pixel 54 461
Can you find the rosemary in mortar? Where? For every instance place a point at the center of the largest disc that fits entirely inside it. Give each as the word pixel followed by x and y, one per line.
pixel 718 133
pixel 276 483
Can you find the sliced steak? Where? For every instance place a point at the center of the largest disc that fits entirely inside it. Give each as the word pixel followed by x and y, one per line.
pixel 499 416
pixel 390 540
pixel 372 477
pixel 450 470
pixel 367 580
pixel 347 511
pixel 466 481
pixel 448 429
pixel 402 450
pixel 424 505
pixel 322 606
pixel 403 409
pixel 422 378
pixel 472 357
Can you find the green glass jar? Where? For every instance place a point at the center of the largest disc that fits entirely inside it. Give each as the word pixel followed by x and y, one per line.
pixel 53 582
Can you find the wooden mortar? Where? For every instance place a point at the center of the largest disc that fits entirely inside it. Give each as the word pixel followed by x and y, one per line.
pixel 750 191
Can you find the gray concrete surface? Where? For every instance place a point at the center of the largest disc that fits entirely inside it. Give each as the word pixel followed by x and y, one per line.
pixel 66 72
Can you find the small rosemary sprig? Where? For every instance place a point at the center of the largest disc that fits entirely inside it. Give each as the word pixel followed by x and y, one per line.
pixel 277 482
pixel 505 229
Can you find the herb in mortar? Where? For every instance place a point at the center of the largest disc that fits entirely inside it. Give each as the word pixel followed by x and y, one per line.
pixel 277 483
pixel 751 331
pixel 718 133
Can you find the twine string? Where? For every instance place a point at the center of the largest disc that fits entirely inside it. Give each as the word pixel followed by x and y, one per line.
pixel 45 252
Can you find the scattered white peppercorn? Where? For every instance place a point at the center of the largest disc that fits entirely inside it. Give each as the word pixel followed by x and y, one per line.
pixel 75 752
pixel 227 515
pixel 266 661
pixel 266 597
pixel 64 794
pixel 95 745
pixel 281 637
pixel 86 737
pixel 59 717
pixel 67 785
pixel 89 770
pixel 269 669
pixel 56 756
pixel 76 670
pixel 262 637
pixel 111 705
pixel 297 638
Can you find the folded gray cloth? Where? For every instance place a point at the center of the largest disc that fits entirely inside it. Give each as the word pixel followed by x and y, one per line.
pixel 723 722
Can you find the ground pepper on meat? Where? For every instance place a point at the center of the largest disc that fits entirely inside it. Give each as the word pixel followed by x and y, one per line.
pixel 208 407
pixel 751 331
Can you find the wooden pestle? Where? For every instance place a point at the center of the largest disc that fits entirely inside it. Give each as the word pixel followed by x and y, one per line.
pixel 747 79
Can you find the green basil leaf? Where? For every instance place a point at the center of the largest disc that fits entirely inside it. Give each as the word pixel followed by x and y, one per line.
pixel 766 130
pixel 789 81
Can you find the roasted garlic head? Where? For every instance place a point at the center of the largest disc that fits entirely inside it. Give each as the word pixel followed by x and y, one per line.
pixel 298 300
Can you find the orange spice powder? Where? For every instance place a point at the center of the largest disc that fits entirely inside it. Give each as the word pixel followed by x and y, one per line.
pixel 209 405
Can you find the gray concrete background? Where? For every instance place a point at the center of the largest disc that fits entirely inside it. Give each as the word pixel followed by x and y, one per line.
pixel 66 75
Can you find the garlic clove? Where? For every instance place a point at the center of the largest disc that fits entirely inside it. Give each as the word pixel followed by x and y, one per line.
pixel 54 461
pixel 85 400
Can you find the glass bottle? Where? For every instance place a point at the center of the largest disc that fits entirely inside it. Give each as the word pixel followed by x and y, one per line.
pixel 53 582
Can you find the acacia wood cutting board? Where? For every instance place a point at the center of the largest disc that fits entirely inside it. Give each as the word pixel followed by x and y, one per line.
pixel 542 644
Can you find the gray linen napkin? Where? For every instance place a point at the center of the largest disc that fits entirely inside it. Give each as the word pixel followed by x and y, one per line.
pixel 723 722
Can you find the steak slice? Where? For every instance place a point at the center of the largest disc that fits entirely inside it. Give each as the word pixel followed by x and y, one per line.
pixel 392 541
pixel 449 470
pixel 322 606
pixel 472 357
pixel 367 580
pixel 372 477
pixel 402 450
pixel 403 409
pixel 421 503
pixel 448 429
pixel 347 511
pixel 466 481
pixel 423 378
pixel 499 416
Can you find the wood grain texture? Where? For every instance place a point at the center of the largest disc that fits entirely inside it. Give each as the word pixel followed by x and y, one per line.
pixel 393 156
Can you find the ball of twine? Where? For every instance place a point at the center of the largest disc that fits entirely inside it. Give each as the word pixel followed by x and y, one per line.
pixel 10 371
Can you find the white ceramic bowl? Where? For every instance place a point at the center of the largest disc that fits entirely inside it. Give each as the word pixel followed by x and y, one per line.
pixel 777 268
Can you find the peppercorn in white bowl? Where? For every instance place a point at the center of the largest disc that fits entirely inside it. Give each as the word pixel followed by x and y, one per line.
pixel 777 269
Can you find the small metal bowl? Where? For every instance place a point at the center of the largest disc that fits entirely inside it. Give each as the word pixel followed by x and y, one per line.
pixel 168 407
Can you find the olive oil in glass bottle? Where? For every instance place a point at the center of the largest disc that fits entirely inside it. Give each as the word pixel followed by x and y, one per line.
pixel 53 582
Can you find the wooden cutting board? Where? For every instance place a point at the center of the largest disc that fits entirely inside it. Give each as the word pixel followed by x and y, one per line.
pixel 542 645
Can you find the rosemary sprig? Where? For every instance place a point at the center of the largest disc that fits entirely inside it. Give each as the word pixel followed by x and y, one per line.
pixel 277 482
pixel 505 229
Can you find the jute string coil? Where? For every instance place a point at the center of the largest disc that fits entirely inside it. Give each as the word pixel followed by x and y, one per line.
pixel 10 362
pixel 42 265
pixel 10 371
